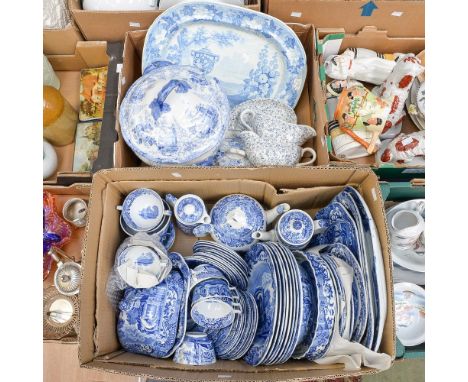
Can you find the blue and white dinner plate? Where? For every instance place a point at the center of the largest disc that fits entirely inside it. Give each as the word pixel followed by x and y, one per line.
pixel 202 245
pixel 251 326
pixel 378 271
pixel 359 290
pixel 296 297
pixel 279 330
pixel 263 285
pixel 319 337
pixel 340 292
pixel 229 267
pixel 251 54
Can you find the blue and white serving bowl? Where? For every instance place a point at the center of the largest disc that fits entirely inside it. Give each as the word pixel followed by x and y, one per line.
pixel 143 209
pixel 196 350
pixel 174 115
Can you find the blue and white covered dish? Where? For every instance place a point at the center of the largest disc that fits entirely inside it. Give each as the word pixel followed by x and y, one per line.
pixel 174 115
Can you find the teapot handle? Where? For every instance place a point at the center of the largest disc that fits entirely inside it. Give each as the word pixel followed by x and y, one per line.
pixel 242 117
pixel 311 161
pixel 158 106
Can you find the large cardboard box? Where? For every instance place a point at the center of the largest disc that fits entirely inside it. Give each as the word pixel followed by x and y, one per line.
pixel 306 188
pixel 378 40
pixel 68 67
pixel 131 71
pixel 112 25
pixel 400 18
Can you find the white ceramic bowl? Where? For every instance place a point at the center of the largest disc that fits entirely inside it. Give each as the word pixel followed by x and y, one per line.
pixel 410 313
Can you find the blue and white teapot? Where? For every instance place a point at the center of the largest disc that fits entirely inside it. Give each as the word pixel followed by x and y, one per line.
pixel 235 218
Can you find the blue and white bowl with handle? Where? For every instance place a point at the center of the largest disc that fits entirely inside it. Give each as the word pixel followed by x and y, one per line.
pixel 235 218
pixel 189 211
pixel 174 115
pixel 294 229
pixel 213 306
pixel 196 350
pixel 143 209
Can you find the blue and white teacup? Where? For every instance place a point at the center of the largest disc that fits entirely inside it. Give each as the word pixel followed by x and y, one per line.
pixel 212 304
pixel 143 209
pixel 189 211
pixel 196 349
pixel 205 272
pixel 294 229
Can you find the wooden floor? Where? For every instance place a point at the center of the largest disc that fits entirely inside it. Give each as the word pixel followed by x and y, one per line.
pixel 61 365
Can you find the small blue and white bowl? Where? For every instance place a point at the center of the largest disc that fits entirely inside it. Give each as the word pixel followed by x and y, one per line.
pixel 294 229
pixel 213 307
pixel 143 209
pixel 189 211
pixel 196 350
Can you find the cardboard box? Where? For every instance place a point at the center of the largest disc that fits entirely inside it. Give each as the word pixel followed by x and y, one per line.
pixel 131 71
pixel 68 67
pixel 399 18
pixel 112 25
pixel 308 188
pixel 378 40
pixel 74 247
pixel 61 41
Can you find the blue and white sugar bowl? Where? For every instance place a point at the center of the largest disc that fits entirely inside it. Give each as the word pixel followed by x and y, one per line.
pixel 143 209
pixel 174 115
pixel 196 350
pixel 294 229
pixel 189 211
pixel 235 218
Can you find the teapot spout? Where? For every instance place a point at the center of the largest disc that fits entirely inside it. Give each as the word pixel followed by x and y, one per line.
pixel 277 211
pixel 203 230
pixel 265 235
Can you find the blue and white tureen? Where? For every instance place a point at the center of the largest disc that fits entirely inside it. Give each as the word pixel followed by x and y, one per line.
pixel 174 115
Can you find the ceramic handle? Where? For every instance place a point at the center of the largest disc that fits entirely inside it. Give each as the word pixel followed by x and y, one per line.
pixel 171 200
pixel 202 230
pixel 238 152
pixel 311 161
pixel 242 117
pixel 156 65
pixel 158 106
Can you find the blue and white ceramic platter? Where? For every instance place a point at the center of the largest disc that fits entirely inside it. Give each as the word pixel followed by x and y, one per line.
pixel 295 228
pixel 181 266
pixel 359 290
pixel 148 319
pixel 263 285
pixel 307 327
pixel 142 209
pixel 234 218
pixel 376 265
pixel 345 199
pixel 173 115
pixel 318 341
pixel 251 54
